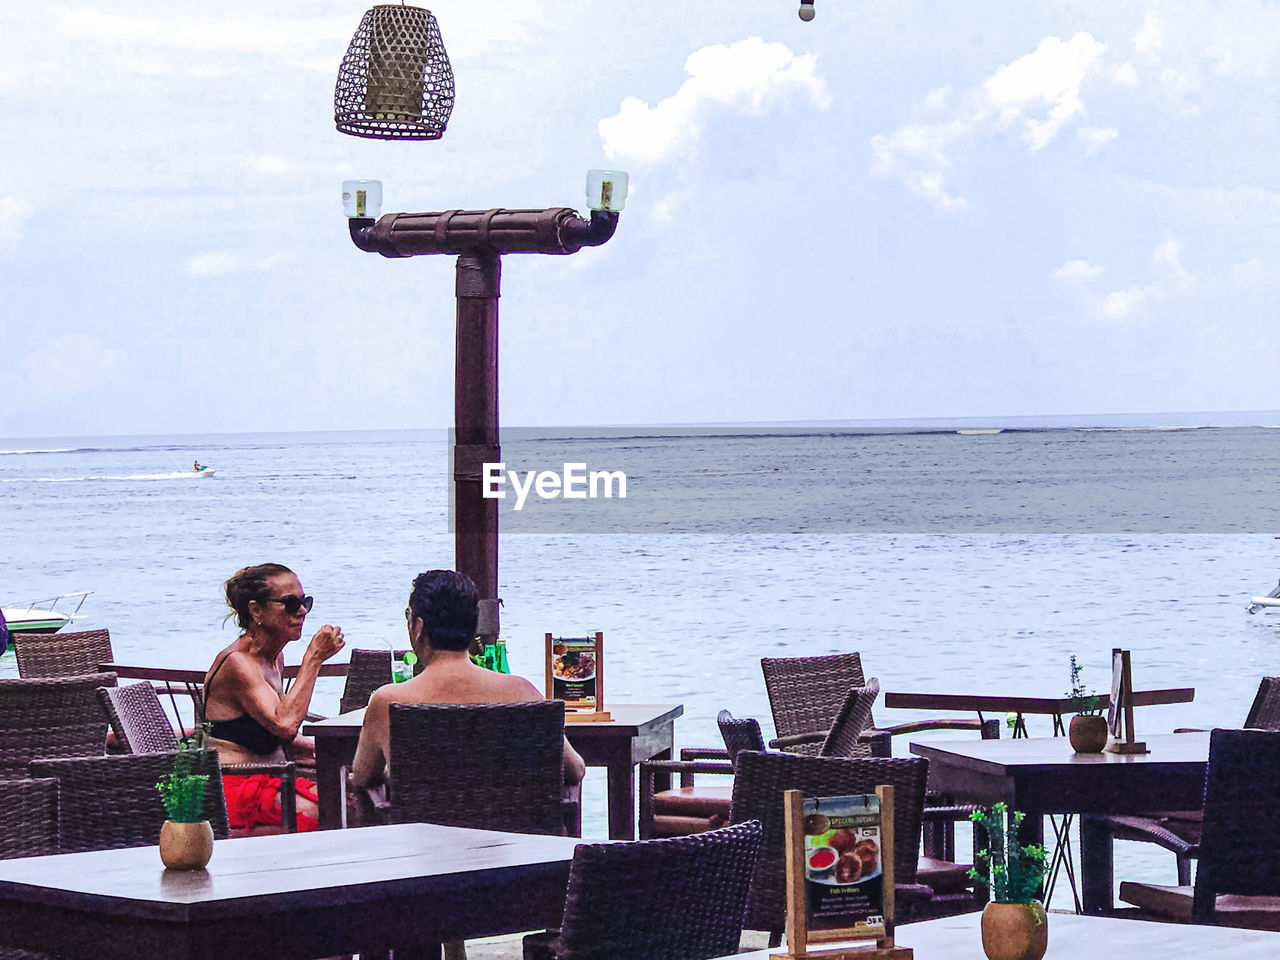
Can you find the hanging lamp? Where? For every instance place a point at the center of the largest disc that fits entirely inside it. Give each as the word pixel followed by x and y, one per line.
pixel 395 82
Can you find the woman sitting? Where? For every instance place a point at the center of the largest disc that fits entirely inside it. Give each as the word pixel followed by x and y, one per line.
pixel 251 719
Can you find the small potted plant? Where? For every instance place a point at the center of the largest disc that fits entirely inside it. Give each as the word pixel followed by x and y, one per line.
pixel 1088 729
pixel 186 838
pixel 1014 924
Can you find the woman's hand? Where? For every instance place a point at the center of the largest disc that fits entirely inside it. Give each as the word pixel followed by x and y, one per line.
pixel 327 641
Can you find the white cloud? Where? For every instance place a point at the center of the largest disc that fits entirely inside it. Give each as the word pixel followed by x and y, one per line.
pixel 750 77
pixel 14 212
pixel 1124 304
pixel 1039 91
pixel 1150 36
pixel 279 37
pixel 73 363
pixel 1048 79
pixel 1077 271
pixel 223 262
pixel 1125 75
pixel 1096 138
pixel 269 164
pixel 1166 262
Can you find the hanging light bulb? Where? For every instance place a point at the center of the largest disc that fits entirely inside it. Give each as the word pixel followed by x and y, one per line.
pixel 806 10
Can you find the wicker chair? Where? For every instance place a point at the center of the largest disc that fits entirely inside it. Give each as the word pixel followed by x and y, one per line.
pixel 142 727
pixel 58 717
pixel 489 765
pixel 110 802
pixel 1179 830
pixel 758 784
pixel 28 828
pixel 367 671
pixel 676 899
pixel 1238 879
pixel 62 654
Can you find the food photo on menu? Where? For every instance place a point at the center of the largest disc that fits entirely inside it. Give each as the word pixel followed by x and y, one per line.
pixel 573 672
pixel 844 885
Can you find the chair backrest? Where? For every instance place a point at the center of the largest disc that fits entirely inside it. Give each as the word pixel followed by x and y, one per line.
pixel 758 784
pixel 28 818
pixel 491 765
pixel 853 718
pixel 367 671
pixel 673 899
pixel 112 801
pixel 1265 712
pixel 739 734
pixel 1240 833
pixel 62 654
pixel 138 719
pixel 54 717
pixel 806 693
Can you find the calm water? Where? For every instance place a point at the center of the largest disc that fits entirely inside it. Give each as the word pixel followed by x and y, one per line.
pixel 1020 558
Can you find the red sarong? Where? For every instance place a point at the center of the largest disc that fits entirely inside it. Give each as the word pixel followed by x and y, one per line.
pixel 253 801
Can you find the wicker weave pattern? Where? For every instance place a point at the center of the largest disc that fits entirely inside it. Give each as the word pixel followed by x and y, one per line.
pixel 50 718
pixel 844 738
pixel 28 828
pixel 806 693
pixel 1265 712
pixel 758 784
pixel 676 899
pixel 367 671
pixel 493 765
pixel 395 82
pixel 62 654
pixel 109 802
pixel 138 719
pixel 739 734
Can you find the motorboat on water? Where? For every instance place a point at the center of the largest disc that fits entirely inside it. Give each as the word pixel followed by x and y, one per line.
pixel 1268 604
pixel 42 616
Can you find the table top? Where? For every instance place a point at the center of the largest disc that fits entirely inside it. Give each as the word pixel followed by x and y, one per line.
pixel 1085 938
pixel 627 719
pixel 194 673
pixel 331 868
pixel 999 703
pixel 1004 757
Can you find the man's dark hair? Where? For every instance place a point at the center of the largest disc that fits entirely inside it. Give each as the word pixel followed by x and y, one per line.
pixel 449 605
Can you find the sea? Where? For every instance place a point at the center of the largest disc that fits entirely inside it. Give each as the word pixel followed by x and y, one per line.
pixel 955 556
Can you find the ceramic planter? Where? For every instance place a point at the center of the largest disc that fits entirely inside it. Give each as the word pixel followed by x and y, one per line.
pixel 1015 931
pixel 186 846
pixel 1087 734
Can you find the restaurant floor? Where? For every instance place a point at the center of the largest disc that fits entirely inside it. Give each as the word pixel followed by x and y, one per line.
pixel 509 948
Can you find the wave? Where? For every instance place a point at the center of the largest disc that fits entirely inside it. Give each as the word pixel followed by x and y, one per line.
pixel 182 475
pixel 17 453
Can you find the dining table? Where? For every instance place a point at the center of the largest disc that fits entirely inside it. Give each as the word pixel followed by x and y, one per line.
pixel 288 896
pixel 1043 776
pixel 1078 938
pixel 634 732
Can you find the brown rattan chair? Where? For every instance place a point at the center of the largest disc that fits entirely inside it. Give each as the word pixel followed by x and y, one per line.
pixel 497 766
pixel 28 828
pixel 758 784
pixel 672 899
pixel 142 727
pixel 1179 830
pixel 62 654
pixel 53 717
pixel 367 671
pixel 1238 878
pixel 109 802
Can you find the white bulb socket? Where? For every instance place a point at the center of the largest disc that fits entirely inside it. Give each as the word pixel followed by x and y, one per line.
pixel 362 199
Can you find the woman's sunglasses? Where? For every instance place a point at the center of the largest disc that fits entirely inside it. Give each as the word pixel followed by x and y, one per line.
pixel 292 604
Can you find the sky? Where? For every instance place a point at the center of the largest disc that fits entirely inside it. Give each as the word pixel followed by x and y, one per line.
pixel 903 210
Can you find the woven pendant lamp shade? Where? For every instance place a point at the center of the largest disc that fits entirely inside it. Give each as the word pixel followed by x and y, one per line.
pixel 395 82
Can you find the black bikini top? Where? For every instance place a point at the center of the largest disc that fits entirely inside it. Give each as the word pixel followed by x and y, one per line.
pixel 243 730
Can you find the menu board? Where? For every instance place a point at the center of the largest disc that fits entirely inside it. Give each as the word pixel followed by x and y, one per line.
pixel 575 672
pixel 844 880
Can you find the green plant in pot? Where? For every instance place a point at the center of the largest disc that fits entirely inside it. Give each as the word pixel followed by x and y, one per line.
pixel 1014 925
pixel 186 838
pixel 1088 729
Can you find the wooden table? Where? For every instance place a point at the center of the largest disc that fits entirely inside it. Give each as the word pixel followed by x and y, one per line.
pixel 288 896
pixel 1055 707
pixel 1085 938
pixel 1045 776
pixel 636 732
pixel 189 674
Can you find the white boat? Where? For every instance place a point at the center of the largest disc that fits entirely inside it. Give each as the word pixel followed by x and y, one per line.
pixel 202 472
pixel 1269 603
pixel 41 616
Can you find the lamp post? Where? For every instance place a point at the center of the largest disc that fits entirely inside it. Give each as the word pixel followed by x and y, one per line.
pixel 479 238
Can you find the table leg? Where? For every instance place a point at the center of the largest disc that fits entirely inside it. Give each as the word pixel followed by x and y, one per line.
pixel 1097 867
pixel 330 757
pixel 622 795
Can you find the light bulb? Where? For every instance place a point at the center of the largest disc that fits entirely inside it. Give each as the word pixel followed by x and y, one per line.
pixel 806 11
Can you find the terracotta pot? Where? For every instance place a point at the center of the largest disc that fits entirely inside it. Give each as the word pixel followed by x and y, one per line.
pixel 186 846
pixel 1087 734
pixel 1015 931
